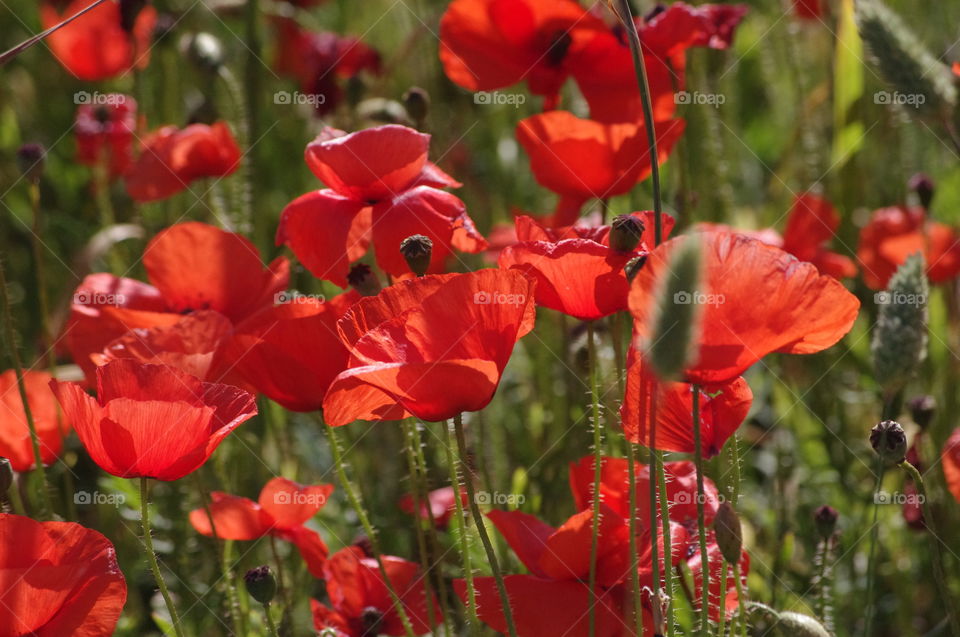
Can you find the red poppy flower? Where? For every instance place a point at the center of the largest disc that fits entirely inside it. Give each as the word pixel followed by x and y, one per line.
pixel 95 46
pixel 581 159
pixel 813 221
pixel 580 276
pixel 793 308
pixel 381 189
pixel 292 351
pixel 951 463
pixel 194 266
pixel 15 442
pixel 715 557
pixel 723 406
pixel 604 69
pixel 152 421
pixel 282 510
pixel 442 504
pixel 171 158
pixel 320 60
pixel 361 603
pixel 57 579
pixel 105 133
pixel 431 347
pixel 491 44
pixel 895 233
pixel 808 9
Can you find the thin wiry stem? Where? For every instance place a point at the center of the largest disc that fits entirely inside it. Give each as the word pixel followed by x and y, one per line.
pixel 455 482
pixel 701 522
pixel 152 556
pixel 597 472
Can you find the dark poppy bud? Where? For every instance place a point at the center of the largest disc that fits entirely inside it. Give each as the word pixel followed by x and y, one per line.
pixel 825 519
pixel 164 26
pixel 205 50
pixel 625 233
pixel 372 620
pixel 417 102
pixel 889 441
pixel 364 544
pixel 922 409
pixel 261 584
pixel 634 266
pixel 129 10
pixel 726 527
pixel 417 250
pixel 30 158
pixel 924 187
pixel 362 279
pixel 6 476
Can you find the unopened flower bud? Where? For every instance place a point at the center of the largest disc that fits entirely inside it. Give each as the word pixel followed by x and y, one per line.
pixel 363 543
pixel 30 157
pixel 362 279
pixel 625 233
pixel 889 441
pixel 261 584
pixel 726 527
pixel 372 619
pixel 922 409
pixel 798 625
pixel 924 187
pixel 6 476
pixel 825 519
pixel 205 50
pixel 417 102
pixel 417 250
pixel 634 266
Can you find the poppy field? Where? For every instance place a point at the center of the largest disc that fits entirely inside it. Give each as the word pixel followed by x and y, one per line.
pixel 536 318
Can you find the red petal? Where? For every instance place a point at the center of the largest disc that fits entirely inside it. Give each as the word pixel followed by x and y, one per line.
pixel 812 222
pixel 567 553
pixel 234 518
pixel 525 534
pixel 951 463
pixel 15 441
pixel 312 548
pixel 290 504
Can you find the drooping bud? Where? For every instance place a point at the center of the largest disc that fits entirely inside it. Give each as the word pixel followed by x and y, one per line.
pixel 371 618
pixel 363 279
pixel 30 158
pixel 793 624
pixel 261 584
pixel 129 10
pixel 6 476
pixel 900 337
pixel 825 519
pixel 417 250
pixel 625 233
pixel 729 534
pixel 676 322
pixel 634 266
pixel 417 102
pixel 203 49
pixel 922 410
pixel 889 441
pixel 363 543
pixel 923 185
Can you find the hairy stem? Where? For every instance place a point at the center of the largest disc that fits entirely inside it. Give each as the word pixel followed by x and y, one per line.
pixel 152 556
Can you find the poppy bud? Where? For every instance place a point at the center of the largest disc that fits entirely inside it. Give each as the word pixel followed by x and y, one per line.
pixel 889 441
pixel 899 342
pixel 671 345
pixel 364 544
pixel 625 233
pixel 164 27
pixel 129 10
pixel 634 266
pixel 203 49
pixel 362 279
pixel 6 476
pixel 922 409
pixel 726 527
pixel 417 102
pixel 825 519
pixel 924 187
pixel 261 584
pixel 30 157
pixel 797 625
pixel 372 620
pixel 417 249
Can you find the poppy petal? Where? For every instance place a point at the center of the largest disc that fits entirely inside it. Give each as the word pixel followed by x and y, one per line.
pixel 290 504
pixel 234 518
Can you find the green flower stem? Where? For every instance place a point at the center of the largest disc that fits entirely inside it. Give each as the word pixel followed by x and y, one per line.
pixel 597 472
pixel 871 566
pixel 634 551
pixel 421 499
pixel 232 597
pixel 354 497
pixel 742 607
pixel 456 482
pixel 271 627
pixel 481 527
pixel 701 522
pixel 152 556
pixel 667 542
pixel 721 627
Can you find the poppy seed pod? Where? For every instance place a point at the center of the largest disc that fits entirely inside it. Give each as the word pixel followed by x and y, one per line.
pixel 203 49
pixel 417 102
pixel 923 185
pixel 261 584
pixel 363 279
pixel 6 476
pixel 417 250
pixel 889 441
pixel 625 233
pixel 825 519
pixel 729 534
pixel 922 410
pixel 30 158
